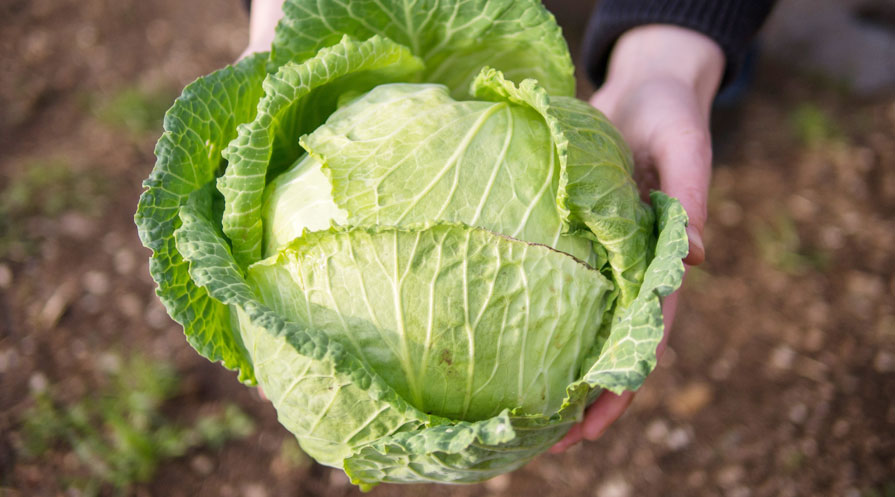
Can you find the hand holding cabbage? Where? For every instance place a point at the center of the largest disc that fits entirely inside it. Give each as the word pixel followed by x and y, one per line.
pixel 403 227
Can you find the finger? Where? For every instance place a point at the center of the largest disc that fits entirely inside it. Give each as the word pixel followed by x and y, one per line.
pixel 684 162
pixel 669 310
pixel 571 438
pixel 603 412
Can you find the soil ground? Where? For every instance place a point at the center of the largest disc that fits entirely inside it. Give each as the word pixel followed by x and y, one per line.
pixel 779 379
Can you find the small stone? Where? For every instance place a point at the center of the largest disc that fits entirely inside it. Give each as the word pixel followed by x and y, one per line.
pixel 615 486
pixel 56 305
pixel 729 476
pixel 76 225
pixel 678 439
pixel 202 465
pixel 498 484
pixel 884 362
pixel 691 399
pixel 38 382
pixel 782 357
pixel 5 277
pixel 109 362
pixel 254 490
pixel 739 492
pixel 130 305
pixel 125 262
pixel 8 359
pixel 808 447
pixel 657 431
pixel 96 282
pixel 798 413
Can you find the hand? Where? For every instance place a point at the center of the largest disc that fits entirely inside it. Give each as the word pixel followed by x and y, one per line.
pixel 263 20
pixel 659 88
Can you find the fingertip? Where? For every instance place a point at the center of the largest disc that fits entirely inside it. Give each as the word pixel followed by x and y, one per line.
pixel 696 255
pixel 572 437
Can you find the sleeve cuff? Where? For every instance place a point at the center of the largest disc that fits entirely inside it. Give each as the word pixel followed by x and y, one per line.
pixel 731 23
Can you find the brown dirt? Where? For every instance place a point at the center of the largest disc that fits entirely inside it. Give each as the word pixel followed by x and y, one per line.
pixel 779 380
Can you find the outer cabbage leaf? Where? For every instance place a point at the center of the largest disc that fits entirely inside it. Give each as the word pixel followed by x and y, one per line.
pixel 629 353
pixel 461 322
pixel 488 164
pixel 454 38
pixel 597 189
pixel 201 122
pixel 297 99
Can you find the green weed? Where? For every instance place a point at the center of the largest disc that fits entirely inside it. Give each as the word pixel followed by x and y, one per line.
pixel 120 434
pixel 44 188
pixel 812 125
pixel 779 244
pixel 135 110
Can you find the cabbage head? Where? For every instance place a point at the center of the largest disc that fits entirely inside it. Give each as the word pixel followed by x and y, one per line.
pixel 403 226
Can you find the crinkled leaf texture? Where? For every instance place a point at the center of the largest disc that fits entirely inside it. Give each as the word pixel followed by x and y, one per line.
pixel 495 269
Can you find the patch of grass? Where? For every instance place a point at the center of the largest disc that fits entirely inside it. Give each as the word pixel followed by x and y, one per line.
pixel 44 188
pixel 119 434
pixel 135 110
pixel 812 125
pixel 779 245
pixel 886 490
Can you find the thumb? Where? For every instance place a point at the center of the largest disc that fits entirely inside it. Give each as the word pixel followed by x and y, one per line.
pixel 685 167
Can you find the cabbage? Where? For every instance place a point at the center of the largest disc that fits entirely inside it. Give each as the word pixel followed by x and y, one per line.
pixel 402 225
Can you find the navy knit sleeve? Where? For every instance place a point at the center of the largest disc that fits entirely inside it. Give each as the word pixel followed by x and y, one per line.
pixel 731 23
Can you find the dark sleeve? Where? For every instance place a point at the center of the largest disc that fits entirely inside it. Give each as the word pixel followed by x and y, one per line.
pixel 247 4
pixel 731 23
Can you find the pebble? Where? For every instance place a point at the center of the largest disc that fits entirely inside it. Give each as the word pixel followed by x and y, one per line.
pixel 202 465
pixel 678 439
pixel 55 305
pixel 76 225
pixel 782 357
pixel 130 305
pixel 96 282
pixel 884 362
pixel 657 431
pixel 254 490
pixel 798 413
pixel 738 492
pixel 38 382
pixel 729 476
pixel 8 359
pixel 5 277
pixel 615 486
pixel 691 399
pixel 125 262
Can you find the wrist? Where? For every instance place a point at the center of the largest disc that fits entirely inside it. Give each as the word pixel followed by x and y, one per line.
pixel 666 52
pixel 263 19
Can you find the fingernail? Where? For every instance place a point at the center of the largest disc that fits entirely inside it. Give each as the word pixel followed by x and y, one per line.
pixel 697 248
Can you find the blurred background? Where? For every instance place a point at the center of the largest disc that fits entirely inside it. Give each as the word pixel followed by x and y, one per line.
pixel 779 379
